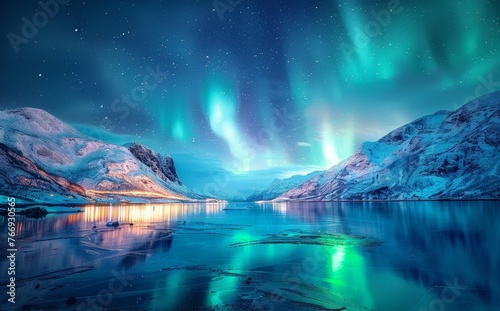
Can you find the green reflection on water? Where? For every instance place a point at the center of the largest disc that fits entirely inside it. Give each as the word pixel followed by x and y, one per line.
pixel 425 243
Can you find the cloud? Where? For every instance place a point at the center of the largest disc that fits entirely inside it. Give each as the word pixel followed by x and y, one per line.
pixel 303 144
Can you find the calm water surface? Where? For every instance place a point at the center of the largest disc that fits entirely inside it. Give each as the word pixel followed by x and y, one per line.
pixel 316 256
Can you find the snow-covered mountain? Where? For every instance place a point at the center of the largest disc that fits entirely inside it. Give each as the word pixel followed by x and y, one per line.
pixel 280 186
pixel 49 161
pixel 447 155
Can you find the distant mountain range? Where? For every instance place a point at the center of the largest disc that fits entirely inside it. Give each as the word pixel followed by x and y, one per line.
pixel 280 186
pixel 447 155
pixel 47 161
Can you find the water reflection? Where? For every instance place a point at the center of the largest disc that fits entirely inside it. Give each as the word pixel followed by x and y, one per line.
pixel 85 238
pixel 425 245
pixel 156 242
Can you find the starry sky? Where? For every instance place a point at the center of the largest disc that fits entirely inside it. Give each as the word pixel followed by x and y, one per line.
pixel 247 89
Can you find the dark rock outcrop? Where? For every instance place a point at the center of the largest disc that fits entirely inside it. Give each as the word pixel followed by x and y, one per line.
pixel 162 165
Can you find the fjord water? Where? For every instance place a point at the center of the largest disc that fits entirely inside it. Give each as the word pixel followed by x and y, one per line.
pixel 354 255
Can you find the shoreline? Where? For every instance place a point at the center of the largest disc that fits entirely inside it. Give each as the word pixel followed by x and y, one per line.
pixel 25 205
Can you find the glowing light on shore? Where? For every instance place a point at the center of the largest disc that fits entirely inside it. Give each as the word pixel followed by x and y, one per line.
pixel 136 193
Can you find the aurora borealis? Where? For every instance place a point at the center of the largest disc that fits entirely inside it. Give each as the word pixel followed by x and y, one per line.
pixel 277 87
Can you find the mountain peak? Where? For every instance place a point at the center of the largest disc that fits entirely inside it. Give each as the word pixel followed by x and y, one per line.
pixel 36 120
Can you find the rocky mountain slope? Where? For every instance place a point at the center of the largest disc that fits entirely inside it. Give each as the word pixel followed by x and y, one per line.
pixel 49 161
pixel 447 155
pixel 162 165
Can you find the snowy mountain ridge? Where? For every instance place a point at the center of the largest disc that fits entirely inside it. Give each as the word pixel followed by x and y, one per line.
pixel 447 155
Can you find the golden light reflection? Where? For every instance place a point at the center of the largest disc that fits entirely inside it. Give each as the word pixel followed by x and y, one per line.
pixel 123 213
pixel 147 213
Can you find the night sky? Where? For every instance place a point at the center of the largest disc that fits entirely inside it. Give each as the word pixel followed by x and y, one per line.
pixel 267 88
